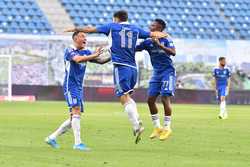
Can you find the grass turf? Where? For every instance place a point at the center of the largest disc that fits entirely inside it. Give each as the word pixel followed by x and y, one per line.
pixel 199 139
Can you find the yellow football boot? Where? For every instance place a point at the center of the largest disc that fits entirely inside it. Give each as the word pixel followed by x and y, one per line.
pixel 165 133
pixel 156 133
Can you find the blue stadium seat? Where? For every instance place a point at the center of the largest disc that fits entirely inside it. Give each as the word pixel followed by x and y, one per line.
pixel 199 17
pixel 21 16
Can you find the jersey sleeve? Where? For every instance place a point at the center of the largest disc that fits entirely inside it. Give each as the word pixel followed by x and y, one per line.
pixel 88 52
pixel 69 54
pixel 105 29
pixel 143 34
pixel 169 43
pixel 214 72
pixel 141 46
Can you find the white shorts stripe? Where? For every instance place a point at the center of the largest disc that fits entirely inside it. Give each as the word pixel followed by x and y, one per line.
pixel 170 82
pixel 117 79
pixel 69 98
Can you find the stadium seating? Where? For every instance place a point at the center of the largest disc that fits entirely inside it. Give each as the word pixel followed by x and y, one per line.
pixel 23 16
pixel 238 14
pixel 203 19
pixel 199 19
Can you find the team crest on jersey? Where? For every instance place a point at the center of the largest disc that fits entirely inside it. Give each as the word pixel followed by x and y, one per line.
pixel 225 72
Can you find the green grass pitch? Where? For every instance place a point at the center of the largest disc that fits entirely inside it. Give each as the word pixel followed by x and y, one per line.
pixel 199 139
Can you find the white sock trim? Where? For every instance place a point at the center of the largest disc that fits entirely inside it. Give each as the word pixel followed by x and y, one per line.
pixel 167 121
pixel 156 120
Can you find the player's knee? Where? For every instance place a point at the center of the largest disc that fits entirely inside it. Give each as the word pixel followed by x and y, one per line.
pixel 165 100
pixel 124 99
pixel 76 110
pixel 151 100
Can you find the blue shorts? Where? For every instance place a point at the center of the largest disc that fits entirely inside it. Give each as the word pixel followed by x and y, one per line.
pixel 125 78
pixel 74 99
pixel 222 91
pixel 162 84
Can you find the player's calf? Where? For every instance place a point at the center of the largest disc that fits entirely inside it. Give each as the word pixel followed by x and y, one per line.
pixel 133 116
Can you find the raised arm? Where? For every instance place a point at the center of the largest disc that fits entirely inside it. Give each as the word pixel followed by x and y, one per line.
pixel 101 61
pixel 87 29
pixel 104 29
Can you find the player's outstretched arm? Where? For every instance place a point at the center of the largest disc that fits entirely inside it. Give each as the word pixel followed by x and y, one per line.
pixel 101 61
pixel 105 58
pixel 87 29
pixel 79 59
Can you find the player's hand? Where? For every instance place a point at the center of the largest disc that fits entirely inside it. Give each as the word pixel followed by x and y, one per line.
pixel 70 30
pixel 156 40
pixel 99 51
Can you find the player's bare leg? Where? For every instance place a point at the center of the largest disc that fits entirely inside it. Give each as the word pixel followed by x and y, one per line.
pixel 133 116
pixel 167 118
pixel 152 105
pixel 223 112
pixel 154 116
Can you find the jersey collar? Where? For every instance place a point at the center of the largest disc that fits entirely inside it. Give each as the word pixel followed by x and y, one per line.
pixel 222 67
pixel 125 22
pixel 73 47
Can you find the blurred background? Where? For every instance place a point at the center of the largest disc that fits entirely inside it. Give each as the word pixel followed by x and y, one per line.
pixel 32 45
